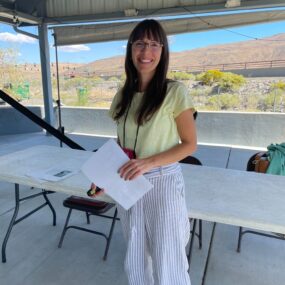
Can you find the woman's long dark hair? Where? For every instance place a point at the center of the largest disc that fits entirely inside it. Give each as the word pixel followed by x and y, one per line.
pixel 156 89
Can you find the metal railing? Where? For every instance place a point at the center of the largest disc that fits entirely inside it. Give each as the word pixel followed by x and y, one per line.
pixel 187 68
pixel 232 66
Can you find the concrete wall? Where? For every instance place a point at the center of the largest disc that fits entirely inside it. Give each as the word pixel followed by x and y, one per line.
pixel 230 128
pixel 13 122
pixel 88 120
pixel 260 72
pixel 237 128
pixel 256 72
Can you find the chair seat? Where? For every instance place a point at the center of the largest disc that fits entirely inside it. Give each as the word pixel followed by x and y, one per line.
pixel 87 205
pixel 90 207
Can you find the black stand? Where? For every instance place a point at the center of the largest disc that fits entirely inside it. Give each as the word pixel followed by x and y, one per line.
pixel 58 102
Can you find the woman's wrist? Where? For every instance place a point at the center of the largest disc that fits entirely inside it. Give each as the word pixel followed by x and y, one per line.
pixel 151 162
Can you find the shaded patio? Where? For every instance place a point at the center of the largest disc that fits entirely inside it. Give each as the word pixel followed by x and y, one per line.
pixel 32 253
pixel 33 256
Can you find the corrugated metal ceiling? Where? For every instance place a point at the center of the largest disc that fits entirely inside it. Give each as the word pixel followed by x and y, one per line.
pixel 62 8
pixel 72 11
pixel 80 34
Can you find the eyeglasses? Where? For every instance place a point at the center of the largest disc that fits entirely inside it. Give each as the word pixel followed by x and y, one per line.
pixel 141 45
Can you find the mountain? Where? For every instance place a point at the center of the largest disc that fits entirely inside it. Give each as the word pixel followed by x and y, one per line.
pixel 266 49
pixel 270 48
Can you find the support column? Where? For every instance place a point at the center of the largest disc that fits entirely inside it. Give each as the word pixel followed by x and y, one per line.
pixel 46 75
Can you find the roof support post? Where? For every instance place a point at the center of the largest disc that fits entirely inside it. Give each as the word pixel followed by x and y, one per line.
pixel 46 74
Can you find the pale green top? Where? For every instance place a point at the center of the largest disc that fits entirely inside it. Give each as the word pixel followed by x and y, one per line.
pixel 160 132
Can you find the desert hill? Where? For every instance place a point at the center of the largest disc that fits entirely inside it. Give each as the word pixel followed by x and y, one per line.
pixel 266 49
pixel 270 48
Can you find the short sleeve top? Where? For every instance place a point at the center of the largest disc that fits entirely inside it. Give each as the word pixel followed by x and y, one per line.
pixel 160 132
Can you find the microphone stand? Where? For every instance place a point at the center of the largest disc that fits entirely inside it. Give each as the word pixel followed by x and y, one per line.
pixel 58 101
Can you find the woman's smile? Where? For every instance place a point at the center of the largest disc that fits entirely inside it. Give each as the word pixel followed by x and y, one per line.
pixel 146 55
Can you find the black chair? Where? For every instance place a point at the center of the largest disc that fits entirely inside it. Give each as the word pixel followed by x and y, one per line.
pixel 90 207
pixel 251 167
pixel 195 161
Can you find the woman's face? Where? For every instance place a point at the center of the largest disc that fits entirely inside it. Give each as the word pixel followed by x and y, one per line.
pixel 146 55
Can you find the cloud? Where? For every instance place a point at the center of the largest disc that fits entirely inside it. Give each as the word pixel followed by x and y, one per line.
pixel 74 48
pixel 124 46
pixel 171 39
pixel 16 38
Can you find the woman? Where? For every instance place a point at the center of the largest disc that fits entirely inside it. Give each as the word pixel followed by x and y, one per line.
pixel 152 115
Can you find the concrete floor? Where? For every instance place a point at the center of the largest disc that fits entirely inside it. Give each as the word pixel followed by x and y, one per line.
pixel 33 256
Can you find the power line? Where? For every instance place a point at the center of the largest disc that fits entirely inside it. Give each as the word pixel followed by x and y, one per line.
pixel 228 30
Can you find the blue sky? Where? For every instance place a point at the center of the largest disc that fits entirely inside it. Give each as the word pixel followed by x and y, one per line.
pixel 28 48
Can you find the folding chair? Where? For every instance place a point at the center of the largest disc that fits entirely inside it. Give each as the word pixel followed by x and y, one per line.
pixel 251 167
pixel 90 207
pixel 195 161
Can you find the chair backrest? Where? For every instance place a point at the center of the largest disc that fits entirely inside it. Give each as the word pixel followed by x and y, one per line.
pixel 191 160
pixel 256 164
pixel 250 165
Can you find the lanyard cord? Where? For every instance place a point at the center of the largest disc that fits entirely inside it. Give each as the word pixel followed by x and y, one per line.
pixel 124 129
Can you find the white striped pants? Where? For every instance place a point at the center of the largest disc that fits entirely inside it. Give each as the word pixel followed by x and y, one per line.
pixel 157 230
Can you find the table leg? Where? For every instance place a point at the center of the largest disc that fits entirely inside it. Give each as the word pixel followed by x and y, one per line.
pixel 50 206
pixel 12 222
pixel 191 242
pixel 209 254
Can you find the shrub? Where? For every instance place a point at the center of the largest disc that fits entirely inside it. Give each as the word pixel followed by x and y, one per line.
pixel 180 75
pixel 230 81
pixel 227 81
pixel 272 100
pixel 278 85
pixel 10 75
pixel 210 77
pixel 98 78
pixel 224 101
pixel 113 78
pixel 123 77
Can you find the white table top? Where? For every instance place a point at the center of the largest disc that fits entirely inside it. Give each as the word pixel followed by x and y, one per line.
pixel 14 166
pixel 214 194
pixel 236 197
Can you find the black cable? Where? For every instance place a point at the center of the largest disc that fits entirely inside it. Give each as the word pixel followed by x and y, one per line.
pixel 228 30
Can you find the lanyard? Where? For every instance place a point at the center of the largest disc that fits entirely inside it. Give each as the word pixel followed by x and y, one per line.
pixel 124 129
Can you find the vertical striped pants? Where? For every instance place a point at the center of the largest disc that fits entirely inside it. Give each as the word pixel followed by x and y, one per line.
pixel 157 230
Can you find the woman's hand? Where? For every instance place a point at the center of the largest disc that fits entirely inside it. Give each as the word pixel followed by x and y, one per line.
pixel 134 168
pixel 94 191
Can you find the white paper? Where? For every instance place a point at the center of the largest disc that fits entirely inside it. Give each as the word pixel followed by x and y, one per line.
pixel 51 174
pixel 102 169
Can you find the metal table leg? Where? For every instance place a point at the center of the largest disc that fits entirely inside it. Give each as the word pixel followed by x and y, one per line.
pixel 191 242
pixel 209 254
pixel 12 223
pixel 50 205
pixel 14 219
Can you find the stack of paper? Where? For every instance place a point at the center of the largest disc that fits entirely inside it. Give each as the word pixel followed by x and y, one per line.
pixel 102 169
